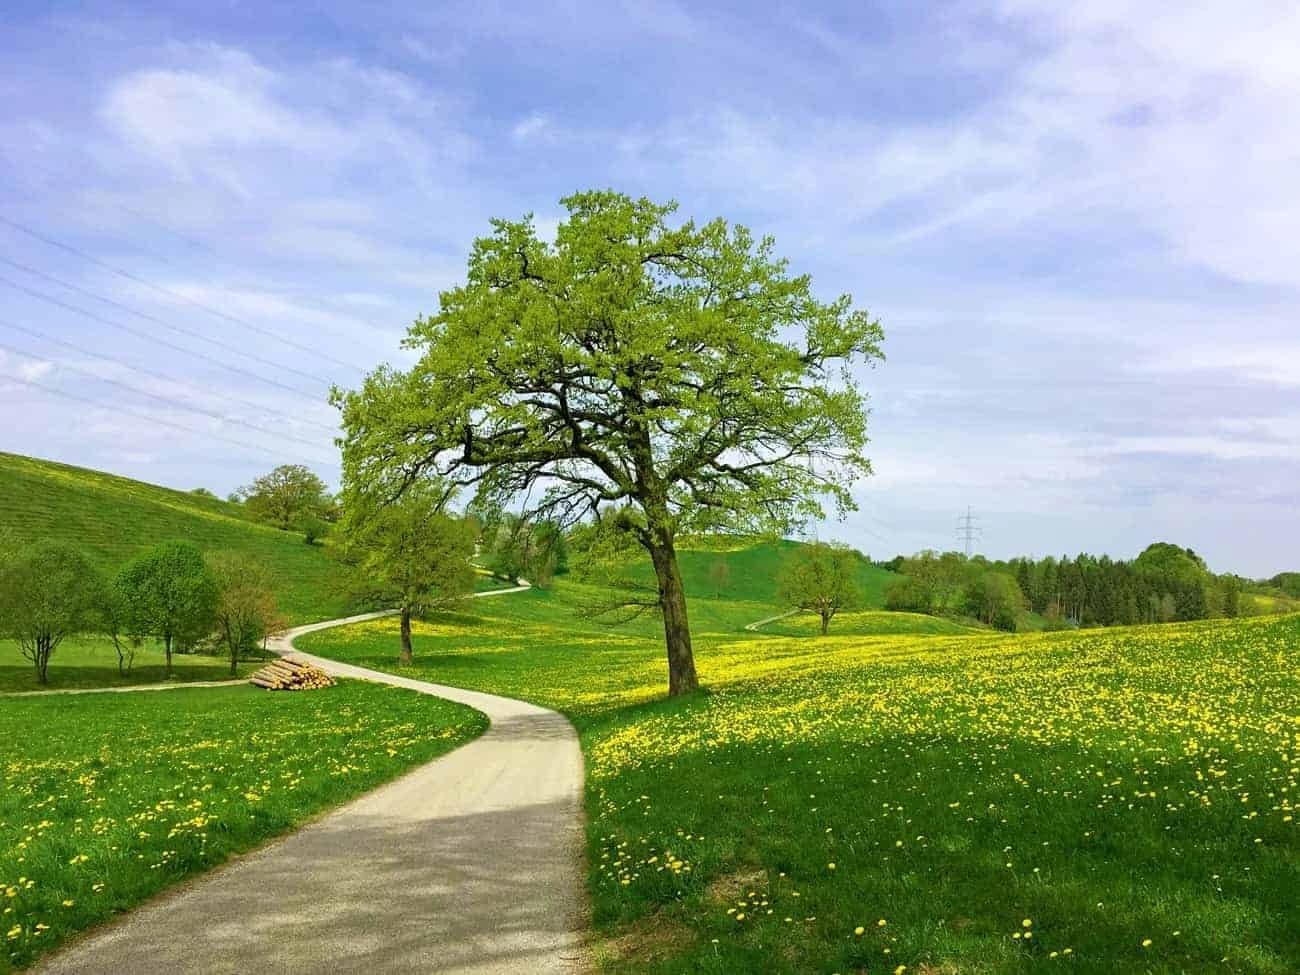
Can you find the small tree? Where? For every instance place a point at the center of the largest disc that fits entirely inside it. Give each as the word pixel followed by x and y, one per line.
pixel 246 611
pixel 287 497
pixel 168 593
pixel 821 578
pixel 116 626
pixel 47 594
pixel 907 595
pixel 995 598
pixel 719 575
pixel 939 577
pixel 411 552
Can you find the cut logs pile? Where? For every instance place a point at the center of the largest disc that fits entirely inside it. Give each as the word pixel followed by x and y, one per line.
pixel 289 674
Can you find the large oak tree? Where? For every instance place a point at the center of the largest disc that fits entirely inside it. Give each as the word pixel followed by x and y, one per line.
pixel 679 375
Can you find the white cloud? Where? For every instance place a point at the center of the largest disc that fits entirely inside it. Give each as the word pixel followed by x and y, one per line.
pixel 35 369
pixel 532 127
pixel 1186 128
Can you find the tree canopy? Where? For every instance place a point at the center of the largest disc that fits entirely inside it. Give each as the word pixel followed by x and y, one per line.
pixel 822 579
pixel 413 554
pixel 246 612
pixel 289 497
pixel 168 593
pixel 678 374
pixel 47 593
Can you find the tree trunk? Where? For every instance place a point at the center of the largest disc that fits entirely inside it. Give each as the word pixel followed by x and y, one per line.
pixel 826 622
pixel 677 630
pixel 405 657
pixel 43 651
pixel 167 648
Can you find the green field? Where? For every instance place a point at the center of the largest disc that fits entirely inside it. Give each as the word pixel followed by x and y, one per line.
pixel 114 518
pixel 108 798
pixel 1089 801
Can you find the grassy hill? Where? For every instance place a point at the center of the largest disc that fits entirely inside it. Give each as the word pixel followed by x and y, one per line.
pixel 751 571
pixel 114 518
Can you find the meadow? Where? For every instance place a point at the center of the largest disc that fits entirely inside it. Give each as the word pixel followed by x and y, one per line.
pixel 108 798
pixel 1087 801
pixel 114 518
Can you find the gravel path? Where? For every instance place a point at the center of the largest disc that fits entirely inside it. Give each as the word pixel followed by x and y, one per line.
pixel 469 865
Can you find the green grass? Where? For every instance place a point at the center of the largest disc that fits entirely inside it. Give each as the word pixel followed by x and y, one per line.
pixel 866 623
pixel 752 571
pixel 1264 604
pixel 1110 787
pixel 109 798
pixel 82 662
pixel 114 518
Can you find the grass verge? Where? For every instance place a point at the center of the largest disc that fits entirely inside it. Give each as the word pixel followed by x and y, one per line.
pixel 109 798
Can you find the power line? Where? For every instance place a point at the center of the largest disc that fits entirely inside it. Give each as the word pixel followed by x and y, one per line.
pixel 190 241
pixel 37 272
pixel 176 295
pixel 43 336
pixel 148 337
pixel 968 531
pixel 168 401
pixel 117 408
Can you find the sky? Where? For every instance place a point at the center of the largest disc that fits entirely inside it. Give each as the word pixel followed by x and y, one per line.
pixel 1077 224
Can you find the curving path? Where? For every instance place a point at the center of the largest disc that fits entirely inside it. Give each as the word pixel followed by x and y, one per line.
pixel 468 865
pixel 754 626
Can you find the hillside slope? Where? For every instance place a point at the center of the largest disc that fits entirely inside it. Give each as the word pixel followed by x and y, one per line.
pixel 114 518
pixel 751 570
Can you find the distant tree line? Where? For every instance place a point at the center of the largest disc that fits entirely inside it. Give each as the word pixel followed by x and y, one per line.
pixel 1288 583
pixel 1165 583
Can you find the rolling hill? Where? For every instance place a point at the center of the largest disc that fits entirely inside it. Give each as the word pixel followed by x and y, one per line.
pixel 114 518
pixel 752 567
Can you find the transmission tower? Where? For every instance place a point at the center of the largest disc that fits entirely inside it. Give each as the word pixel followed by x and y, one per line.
pixel 968 530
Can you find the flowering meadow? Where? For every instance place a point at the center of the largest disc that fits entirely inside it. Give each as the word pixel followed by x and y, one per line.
pixel 105 799
pixel 1118 800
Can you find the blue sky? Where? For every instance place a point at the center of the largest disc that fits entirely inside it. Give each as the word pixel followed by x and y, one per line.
pixel 1077 224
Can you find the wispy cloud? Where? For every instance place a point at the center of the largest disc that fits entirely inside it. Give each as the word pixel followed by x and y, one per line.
pixel 1075 221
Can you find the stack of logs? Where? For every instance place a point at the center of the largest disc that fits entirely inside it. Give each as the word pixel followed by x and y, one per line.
pixel 288 674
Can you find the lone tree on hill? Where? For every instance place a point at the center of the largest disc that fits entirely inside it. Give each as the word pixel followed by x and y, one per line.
pixel 46 594
pixel 290 497
pixel 412 553
pixel 168 593
pixel 822 579
pixel 679 375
